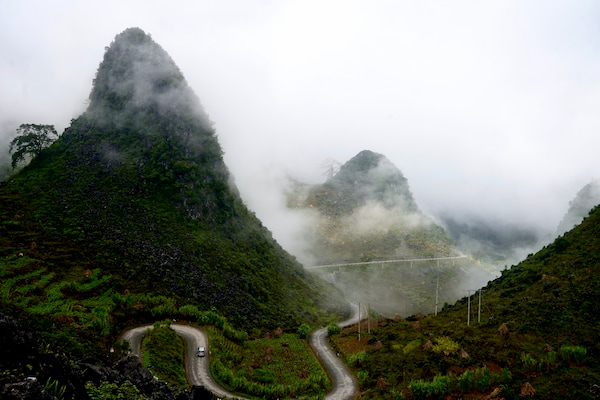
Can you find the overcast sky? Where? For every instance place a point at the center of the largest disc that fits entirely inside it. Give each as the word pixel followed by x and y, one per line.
pixel 487 107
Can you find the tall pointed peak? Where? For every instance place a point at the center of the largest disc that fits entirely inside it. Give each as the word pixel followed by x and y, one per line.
pixel 372 176
pixel 362 164
pixel 137 77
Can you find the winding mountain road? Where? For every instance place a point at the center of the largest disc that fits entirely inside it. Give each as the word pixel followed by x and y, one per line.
pixel 345 386
pixel 197 370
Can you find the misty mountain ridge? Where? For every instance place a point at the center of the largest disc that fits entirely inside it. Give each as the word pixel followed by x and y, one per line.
pixel 137 72
pixel 498 242
pixel 138 185
pixel 370 176
pixel 365 212
pixel 586 199
pixel 503 242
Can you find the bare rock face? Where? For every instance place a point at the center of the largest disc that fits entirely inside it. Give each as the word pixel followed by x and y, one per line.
pixel 27 371
pixel 131 367
pixel 503 330
pixel 18 346
pixel 28 389
pixel 527 391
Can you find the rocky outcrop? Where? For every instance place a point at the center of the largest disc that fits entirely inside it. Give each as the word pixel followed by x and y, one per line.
pixel 27 389
pixel 28 373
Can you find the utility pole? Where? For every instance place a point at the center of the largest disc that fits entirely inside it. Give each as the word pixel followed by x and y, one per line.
pixel 369 317
pixel 437 288
pixel 479 311
pixel 469 306
pixel 359 322
pixel 469 309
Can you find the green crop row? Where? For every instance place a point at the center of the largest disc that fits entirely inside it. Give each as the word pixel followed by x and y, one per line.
pixel 212 318
pixel 568 353
pixel 478 379
pixel 282 366
pixel 162 353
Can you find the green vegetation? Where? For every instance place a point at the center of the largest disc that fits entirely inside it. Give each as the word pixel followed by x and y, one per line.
pixel 162 353
pixel 412 285
pixel 53 387
pixel 333 329
pixel 435 389
pixel 137 187
pixel 410 346
pixel 303 331
pixel 547 302
pixel 130 216
pixel 445 345
pixel 279 365
pixel 31 139
pixel 111 391
pixel 478 379
pixel 357 359
pixel 573 353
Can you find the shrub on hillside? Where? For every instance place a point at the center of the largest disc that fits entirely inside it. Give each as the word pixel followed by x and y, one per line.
pixel 445 345
pixel 303 331
pixel 573 353
pixel 333 329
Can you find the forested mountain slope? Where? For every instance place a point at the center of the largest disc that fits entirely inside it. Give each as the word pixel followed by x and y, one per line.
pixel 537 336
pixel 136 187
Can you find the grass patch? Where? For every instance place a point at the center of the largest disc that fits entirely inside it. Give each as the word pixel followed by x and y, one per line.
pixel 162 353
pixel 281 365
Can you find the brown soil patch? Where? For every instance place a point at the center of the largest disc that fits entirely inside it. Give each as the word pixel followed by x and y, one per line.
pixel 351 345
pixel 493 367
pixel 456 370
pixel 364 326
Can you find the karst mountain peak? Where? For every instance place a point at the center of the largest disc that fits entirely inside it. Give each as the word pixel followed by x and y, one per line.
pixel 138 183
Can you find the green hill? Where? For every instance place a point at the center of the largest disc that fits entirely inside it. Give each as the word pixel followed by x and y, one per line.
pixel 136 189
pixel 538 329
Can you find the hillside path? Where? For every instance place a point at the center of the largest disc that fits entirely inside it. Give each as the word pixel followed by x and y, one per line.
pixel 345 386
pixel 197 368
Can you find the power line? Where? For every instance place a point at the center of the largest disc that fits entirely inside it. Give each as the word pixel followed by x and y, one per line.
pixel 386 261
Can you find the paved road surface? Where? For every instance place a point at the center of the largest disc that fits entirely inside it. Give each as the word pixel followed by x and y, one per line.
pixel 197 369
pixel 345 386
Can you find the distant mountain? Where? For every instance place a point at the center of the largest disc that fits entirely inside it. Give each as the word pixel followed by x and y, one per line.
pixel 369 177
pixel 137 185
pixel 586 199
pixel 490 239
pixel 366 212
